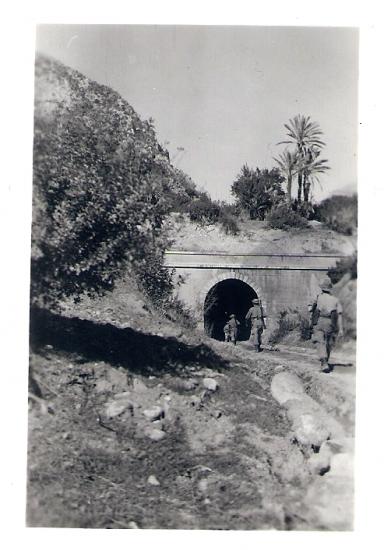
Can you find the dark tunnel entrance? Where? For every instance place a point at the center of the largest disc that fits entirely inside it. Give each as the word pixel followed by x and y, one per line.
pixel 226 297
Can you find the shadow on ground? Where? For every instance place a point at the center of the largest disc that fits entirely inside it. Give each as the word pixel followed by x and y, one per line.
pixel 139 352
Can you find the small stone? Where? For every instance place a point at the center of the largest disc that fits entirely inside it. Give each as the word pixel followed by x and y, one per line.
pixel 319 463
pixel 195 401
pixel 190 384
pixel 167 398
pixel 103 386
pixel 133 525
pixel 155 434
pixel 210 384
pixel 203 485
pixel 217 414
pixel 116 407
pixel 152 480
pixel 154 413
pixel 139 386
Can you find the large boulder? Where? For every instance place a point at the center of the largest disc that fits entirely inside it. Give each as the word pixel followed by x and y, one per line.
pixel 286 386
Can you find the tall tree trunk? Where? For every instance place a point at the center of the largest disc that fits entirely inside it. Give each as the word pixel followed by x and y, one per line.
pixel 289 188
pixel 306 188
pixel 300 186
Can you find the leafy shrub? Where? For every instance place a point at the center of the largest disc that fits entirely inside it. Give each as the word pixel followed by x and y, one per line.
pixel 203 210
pixel 100 183
pixel 343 266
pixel 256 191
pixel 339 213
pixel 291 321
pixel 282 216
pixel 229 224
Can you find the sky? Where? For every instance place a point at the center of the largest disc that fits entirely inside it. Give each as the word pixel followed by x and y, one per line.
pixel 222 94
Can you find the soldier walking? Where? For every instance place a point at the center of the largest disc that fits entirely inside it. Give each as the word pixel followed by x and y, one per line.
pixel 231 329
pixel 326 323
pixel 256 317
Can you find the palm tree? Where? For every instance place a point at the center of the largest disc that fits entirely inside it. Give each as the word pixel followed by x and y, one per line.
pixel 312 167
pixel 289 165
pixel 305 134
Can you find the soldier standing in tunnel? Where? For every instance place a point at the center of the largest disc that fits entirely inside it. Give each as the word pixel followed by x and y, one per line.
pixel 256 317
pixel 231 329
pixel 326 323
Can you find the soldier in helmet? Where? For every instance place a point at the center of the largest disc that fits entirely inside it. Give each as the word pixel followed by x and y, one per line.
pixel 326 323
pixel 231 329
pixel 256 317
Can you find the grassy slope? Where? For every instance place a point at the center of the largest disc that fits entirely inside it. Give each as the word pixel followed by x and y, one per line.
pixel 257 237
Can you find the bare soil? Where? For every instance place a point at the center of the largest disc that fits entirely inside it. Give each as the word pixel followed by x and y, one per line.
pixel 226 461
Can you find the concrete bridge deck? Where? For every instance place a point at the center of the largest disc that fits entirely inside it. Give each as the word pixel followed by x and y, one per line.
pixel 222 260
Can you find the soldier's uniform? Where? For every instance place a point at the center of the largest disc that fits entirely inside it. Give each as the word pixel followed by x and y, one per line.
pixel 233 325
pixel 256 316
pixel 227 332
pixel 326 322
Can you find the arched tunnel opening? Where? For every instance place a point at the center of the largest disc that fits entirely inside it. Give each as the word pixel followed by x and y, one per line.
pixel 224 298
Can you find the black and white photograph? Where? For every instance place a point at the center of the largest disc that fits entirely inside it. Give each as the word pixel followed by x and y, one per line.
pixel 194 276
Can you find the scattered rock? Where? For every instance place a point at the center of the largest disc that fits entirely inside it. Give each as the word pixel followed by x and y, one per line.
pixel 118 406
pixel 342 465
pixel 133 525
pixel 103 386
pixel 195 401
pixel 152 480
pixel 319 463
pixel 210 384
pixel 117 378
pixel 139 386
pixel 203 485
pixel 154 413
pixel 286 386
pixel 310 430
pixel 190 384
pixel 122 396
pixel 155 434
pixel 329 503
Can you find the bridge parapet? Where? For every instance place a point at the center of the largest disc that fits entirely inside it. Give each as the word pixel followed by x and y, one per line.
pixel 222 260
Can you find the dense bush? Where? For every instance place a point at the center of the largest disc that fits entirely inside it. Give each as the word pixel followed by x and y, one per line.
pixel 291 321
pixel 203 210
pixel 257 191
pixel 339 213
pixel 282 216
pixel 343 266
pixel 100 182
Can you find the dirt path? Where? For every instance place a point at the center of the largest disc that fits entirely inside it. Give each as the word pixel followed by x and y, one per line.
pixel 224 458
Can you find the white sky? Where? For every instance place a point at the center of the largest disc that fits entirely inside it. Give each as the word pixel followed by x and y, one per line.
pixel 224 93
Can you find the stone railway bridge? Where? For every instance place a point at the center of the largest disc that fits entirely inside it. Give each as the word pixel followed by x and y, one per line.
pixel 215 284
